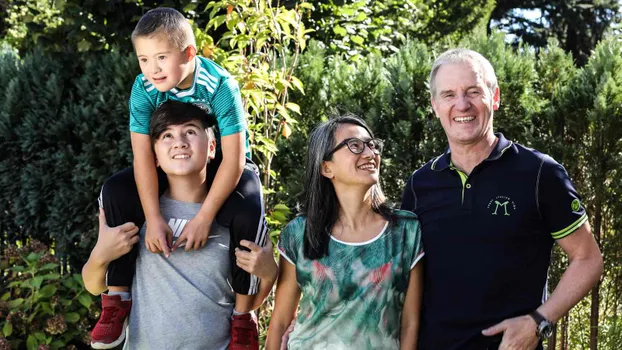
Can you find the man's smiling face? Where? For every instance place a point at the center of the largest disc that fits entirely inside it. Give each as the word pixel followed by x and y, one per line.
pixel 464 103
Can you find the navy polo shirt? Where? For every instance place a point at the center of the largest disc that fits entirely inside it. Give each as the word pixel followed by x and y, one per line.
pixel 488 238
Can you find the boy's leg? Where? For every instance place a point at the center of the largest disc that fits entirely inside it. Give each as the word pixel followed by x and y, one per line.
pixel 243 214
pixel 121 203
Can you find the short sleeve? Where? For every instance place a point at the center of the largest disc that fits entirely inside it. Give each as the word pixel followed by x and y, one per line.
pixel 413 234
pixel 227 105
pixel 141 106
pixel 559 203
pixel 290 240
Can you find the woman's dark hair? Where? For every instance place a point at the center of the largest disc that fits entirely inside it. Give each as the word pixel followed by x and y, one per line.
pixel 319 200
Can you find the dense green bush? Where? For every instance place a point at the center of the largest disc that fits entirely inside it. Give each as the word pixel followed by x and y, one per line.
pixel 63 131
pixel 40 306
pixel 392 96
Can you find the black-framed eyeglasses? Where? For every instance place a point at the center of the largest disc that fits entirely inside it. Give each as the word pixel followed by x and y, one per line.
pixel 357 146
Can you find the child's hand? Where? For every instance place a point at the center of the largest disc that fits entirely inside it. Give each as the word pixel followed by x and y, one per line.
pixel 259 261
pixel 194 234
pixel 113 242
pixel 159 236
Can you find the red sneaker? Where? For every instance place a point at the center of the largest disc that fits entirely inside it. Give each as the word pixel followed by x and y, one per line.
pixel 244 334
pixel 109 331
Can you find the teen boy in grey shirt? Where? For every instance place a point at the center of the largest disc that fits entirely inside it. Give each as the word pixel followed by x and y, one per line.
pixel 184 301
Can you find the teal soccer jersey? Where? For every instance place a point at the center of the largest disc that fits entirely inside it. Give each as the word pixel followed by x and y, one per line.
pixel 213 87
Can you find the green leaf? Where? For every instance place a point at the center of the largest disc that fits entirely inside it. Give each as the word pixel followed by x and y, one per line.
pixel 48 266
pixel 7 330
pixel 78 278
pixel 32 343
pixel 51 276
pixel 13 304
pixel 72 317
pixel 47 308
pixel 47 291
pixel 297 84
pixel 5 296
pixel 36 282
pixel 293 107
pixel 85 299
pixel 40 336
pixel 190 7
pixel 58 344
pixel 217 21
pixel 339 30
pixel 281 207
pixel 18 268
pixel 277 215
pixel 32 257
pixel 357 39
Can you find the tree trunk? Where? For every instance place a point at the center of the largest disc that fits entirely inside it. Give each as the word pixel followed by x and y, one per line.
pixel 594 310
pixel 552 342
pixel 564 345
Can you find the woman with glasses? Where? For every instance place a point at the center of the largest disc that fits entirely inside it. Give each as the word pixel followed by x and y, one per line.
pixel 351 257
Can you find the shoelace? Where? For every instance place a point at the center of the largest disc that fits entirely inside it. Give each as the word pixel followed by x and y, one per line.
pixel 108 314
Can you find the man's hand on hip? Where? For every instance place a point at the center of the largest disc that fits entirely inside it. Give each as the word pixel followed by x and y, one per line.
pixel 519 333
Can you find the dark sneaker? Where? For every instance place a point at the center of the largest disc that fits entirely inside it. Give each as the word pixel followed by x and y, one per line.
pixel 244 334
pixel 109 331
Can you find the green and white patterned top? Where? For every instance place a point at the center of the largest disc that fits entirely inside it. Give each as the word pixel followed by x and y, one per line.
pixel 353 297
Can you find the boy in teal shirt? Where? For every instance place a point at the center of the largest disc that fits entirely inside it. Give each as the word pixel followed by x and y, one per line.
pixel 165 47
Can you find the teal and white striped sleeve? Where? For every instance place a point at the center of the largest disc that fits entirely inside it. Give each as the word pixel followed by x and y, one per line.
pixel 140 106
pixel 227 105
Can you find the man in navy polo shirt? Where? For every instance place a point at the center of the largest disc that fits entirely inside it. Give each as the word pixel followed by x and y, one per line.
pixel 490 211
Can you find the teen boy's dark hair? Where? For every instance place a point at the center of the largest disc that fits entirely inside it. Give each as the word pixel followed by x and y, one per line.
pixel 177 113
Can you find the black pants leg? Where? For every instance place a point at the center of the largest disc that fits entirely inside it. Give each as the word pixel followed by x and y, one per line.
pixel 243 214
pixel 119 198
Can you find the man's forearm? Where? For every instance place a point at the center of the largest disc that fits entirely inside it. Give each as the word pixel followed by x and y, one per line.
pixel 576 282
pixel 265 286
pixel 94 274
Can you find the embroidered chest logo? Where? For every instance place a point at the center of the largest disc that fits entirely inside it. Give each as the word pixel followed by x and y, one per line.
pixel 501 205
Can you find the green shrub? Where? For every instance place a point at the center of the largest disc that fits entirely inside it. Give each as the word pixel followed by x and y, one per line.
pixel 63 124
pixel 41 306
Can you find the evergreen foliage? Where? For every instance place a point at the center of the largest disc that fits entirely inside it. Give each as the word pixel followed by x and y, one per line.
pixel 61 138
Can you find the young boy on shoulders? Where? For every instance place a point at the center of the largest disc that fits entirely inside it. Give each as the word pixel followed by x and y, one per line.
pixel 171 70
pixel 185 300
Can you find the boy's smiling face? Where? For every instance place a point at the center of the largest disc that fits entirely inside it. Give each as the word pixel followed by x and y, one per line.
pixel 163 64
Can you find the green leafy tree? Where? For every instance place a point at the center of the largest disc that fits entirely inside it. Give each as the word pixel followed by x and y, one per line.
pixel 578 24
pixel 261 48
pixel 591 112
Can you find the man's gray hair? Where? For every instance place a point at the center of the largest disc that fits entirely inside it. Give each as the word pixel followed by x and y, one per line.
pixel 464 56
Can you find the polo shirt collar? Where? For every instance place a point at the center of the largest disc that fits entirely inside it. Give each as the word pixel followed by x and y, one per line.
pixel 443 161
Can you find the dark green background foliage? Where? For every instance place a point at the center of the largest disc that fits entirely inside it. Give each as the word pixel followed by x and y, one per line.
pixel 64 118
pixel 63 130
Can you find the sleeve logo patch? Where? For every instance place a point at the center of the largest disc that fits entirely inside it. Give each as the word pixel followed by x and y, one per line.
pixel 575 205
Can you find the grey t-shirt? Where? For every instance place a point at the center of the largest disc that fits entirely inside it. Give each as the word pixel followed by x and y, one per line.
pixel 185 301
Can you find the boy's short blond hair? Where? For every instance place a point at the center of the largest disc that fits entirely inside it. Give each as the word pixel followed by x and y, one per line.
pixel 168 21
